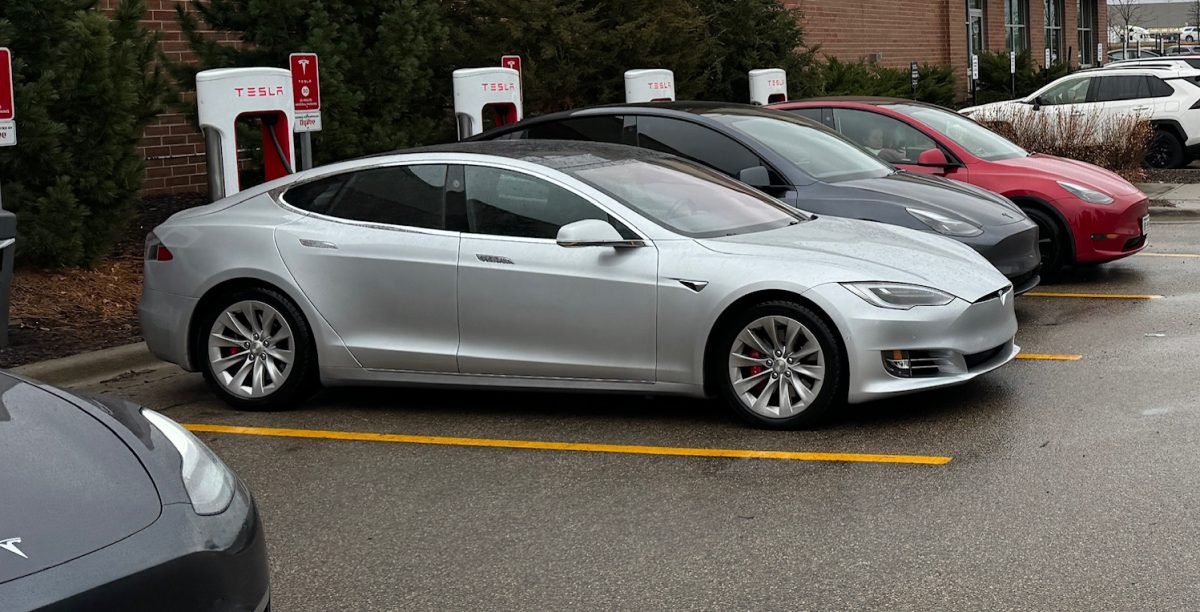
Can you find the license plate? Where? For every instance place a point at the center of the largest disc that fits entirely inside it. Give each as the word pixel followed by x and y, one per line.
pixel 1145 224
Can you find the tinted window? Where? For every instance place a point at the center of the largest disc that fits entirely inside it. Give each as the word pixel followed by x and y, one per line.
pixel 592 129
pixel 976 139
pixel 820 153
pixel 316 196
pixel 1070 91
pixel 506 203
pixel 809 113
pixel 1113 88
pixel 886 138
pixel 396 195
pixel 695 142
pixel 1159 89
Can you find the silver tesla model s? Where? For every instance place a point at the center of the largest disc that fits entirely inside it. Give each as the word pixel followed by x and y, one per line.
pixel 563 265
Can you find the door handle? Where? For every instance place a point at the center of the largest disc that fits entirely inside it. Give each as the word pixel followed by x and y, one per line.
pixel 498 259
pixel 1141 108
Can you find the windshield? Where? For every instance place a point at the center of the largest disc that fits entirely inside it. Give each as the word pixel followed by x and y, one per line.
pixel 820 154
pixel 687 199
pixel 976 139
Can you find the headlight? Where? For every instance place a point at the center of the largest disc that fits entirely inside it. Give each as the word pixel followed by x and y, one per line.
pixel 1085 194
pixel 898 296
pixel 944 224
pixel 208 482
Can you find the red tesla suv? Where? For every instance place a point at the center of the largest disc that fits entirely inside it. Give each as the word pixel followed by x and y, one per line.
pixel 1084 213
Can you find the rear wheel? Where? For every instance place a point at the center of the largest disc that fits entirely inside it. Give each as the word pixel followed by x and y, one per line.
pixel 1051 242
pixel 779 366
pixel 257 352
pixel 1166 150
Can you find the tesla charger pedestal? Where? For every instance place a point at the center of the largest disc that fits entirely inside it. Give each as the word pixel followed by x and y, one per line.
pixel 479 91
pixel 768 86
pixel 649 85
pixel 226 95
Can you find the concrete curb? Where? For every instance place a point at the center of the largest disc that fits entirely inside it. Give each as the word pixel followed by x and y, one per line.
pixel 93 367
pixel 1172 211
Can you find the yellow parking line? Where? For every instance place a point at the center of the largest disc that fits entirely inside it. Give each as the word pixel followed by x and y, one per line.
pixel 1048 357
pixel 1103 296
pixel 1184 255
pixel 568 446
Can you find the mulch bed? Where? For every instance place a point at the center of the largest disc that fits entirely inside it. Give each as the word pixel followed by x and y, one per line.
pixel 56 313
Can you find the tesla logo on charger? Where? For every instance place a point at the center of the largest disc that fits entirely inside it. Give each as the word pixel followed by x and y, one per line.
pixel 659 85
pixel 499 86
pixel 10 545
pixel 258 92
pixel 774 82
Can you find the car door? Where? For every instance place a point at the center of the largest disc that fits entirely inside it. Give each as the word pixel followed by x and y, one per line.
pixel 529 307
pixel 1066 98
pixel 1123 95
pixel 374 257
pixel 891 140
pixel 710 148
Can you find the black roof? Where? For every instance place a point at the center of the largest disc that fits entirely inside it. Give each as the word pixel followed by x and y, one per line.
pixel 556 154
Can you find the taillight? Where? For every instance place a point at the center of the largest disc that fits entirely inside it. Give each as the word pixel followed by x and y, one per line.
pixel 155 251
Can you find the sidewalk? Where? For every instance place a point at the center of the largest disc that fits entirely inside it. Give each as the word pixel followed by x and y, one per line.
pixel 1173 199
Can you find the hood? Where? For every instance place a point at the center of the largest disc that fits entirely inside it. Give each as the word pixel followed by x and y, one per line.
pixel 1073 171
pixel 924 192
pixel 68 487
pixel 865 250
pixel 972 111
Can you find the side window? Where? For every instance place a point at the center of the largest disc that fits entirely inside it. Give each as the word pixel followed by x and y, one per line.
pixel 507 203
pixel 316 196
pixel 396 195
pixel 591 129
pixel 1159 88
pixel 1071 91
pixel 809 113
pixel 695 142
pixel 888 139
pixel 1114 88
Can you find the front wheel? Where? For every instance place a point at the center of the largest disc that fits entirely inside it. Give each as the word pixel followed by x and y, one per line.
pixel 257 350
pixel 780 366
pixel 1051 243
pixel 1166 150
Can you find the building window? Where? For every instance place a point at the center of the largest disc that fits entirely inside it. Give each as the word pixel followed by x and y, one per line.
pixel 976 26
pixel 1016 25
pixel 1087 40
pixel 1054 28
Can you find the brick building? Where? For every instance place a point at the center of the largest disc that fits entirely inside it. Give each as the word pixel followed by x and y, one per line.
pixel 889 32
pixel 895 33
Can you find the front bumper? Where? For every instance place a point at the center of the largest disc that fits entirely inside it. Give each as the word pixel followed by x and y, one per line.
pixel 164 318
pixel 975 337
pixel 182 562
pixel 1013 250
pixel 1107 232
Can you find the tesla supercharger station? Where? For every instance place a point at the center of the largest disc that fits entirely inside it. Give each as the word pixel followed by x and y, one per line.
pixel 768 86
pixel 479 92
pixel 228 95
pixel 649 85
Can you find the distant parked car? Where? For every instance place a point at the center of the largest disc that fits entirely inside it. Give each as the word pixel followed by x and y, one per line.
pixel 105 505
pixel 1132 33
pixel 1189 34
pixel 1181 50
pixel 1120 54
pixel 1167 98
pixel 1084 213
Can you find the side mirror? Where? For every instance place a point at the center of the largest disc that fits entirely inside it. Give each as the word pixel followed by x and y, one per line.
pixel 1038 103
pixel 755 176
pixel 933 158
pixel 592 233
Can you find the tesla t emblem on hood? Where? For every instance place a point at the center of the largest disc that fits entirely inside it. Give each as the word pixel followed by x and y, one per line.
pixel 11 546
pixel 1003 296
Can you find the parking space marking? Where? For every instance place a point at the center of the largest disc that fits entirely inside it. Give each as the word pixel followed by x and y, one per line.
pixel 1101 296
pixel 568 446
pixel 1048 357
pixel 1184 255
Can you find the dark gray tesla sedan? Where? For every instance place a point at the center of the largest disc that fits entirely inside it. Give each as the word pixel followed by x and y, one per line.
pixel 807 166
pixel 108 506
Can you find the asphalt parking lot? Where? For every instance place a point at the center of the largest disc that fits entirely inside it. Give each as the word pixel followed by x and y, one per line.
pixel 1070 482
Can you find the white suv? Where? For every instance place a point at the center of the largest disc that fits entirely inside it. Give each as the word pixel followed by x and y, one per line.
pixel 1189 34
pixel 1168 96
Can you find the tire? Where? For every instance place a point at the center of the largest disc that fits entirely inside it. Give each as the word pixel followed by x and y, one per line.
pixel 738 358
pixel 256 374
pixel 1166 150
pixel 1190 38
pixel 1052 242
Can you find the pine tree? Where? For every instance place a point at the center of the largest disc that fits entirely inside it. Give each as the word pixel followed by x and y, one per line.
pixel 751 34
pixel 382 86
pixel 86 86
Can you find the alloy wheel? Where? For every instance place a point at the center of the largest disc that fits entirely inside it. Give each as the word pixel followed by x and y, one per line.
pixel 251 349
pixel 776 367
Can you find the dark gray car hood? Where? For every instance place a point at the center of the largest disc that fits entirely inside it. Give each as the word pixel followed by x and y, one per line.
pixel 68 485
pixel 913 190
